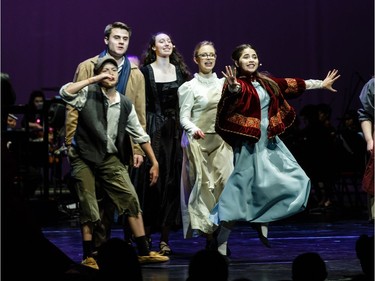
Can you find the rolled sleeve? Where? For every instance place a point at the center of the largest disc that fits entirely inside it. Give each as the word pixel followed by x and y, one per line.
pixel 366 112
pixel 77 100
pixel 135 130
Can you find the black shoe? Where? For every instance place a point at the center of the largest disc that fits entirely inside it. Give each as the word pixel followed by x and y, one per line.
pixel 229 252
pixel 149 242
pixel 129 242
pixel 262 238
pixel 211 244
pixel 227 260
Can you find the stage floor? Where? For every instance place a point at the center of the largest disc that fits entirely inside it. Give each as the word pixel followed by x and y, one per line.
pixel 330 234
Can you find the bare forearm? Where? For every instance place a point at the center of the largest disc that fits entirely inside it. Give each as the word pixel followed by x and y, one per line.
pixel 154 171
pixel 75 87
pixel 368 134
pixel 146 147
pixel 367 130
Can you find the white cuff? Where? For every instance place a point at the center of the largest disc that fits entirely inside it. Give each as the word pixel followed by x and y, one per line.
pixel 313 84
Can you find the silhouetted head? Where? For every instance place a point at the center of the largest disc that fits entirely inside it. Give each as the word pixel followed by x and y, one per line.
pixel 309 267
pixel 117 259
pixel 208 265
pixel 364 248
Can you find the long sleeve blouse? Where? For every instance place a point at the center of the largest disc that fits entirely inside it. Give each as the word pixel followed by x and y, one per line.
pixel 198 99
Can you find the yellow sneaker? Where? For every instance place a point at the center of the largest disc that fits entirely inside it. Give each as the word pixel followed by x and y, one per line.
pixel 91 262
pixel 153 257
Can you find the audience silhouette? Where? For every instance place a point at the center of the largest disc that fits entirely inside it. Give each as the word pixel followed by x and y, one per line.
pixel 318 148
pixel 208 265
pixel 364 248
pixel 22 236
pixel 309 267
pixel 117 260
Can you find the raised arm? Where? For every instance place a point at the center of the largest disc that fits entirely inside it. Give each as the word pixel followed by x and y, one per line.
pixel 331 77
pixel 75 87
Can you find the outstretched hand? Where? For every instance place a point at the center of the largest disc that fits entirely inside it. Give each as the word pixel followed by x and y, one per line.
pixel 331 77
pixel 230 75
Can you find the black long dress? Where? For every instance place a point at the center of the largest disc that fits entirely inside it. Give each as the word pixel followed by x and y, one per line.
pixel 161 203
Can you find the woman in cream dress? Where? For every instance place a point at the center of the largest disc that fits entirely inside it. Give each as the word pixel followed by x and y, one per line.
pixel 207 159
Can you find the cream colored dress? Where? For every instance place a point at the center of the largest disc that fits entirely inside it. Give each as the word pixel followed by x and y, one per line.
pixel 207 163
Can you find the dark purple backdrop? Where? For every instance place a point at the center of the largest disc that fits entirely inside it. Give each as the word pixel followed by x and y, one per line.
pixel 44 40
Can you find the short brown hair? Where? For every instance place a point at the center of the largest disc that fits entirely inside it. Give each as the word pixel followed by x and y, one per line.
pixel 116 24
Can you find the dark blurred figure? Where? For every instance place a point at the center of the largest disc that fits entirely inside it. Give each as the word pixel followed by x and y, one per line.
pixel 10 142
pixel 8 98
pixel 364 248
pixel 208 265
pixel 34 116
pixel 8 159
pixel 309 267
pixel 37 154
pixel 118 260
pixel 351 155
pixel 27 253
pixel 11 122
pixel 352 147
pixel 318 151
pixel 366 118
pixel 292 137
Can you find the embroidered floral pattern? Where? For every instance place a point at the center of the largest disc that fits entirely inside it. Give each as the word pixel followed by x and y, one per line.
pixel 244 121
pixel 292 85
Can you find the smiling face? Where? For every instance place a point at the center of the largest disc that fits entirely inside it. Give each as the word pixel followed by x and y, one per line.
pixel 248 61
pixel 117 42
pixel 205 58
pixel 163 45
